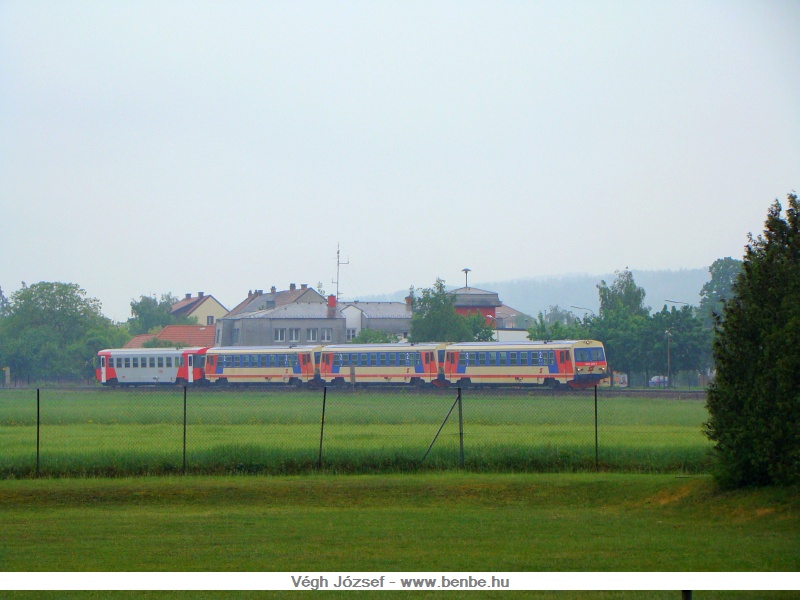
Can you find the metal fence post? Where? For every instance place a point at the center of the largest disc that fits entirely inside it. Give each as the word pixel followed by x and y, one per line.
pixel 184 430
pixel 38 422
pixel 460 430
pixel 322 428
pixel 596 445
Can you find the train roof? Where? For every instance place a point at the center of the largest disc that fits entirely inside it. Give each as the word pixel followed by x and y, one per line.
pixel 139 351
pixel 522 344
pixel 389 347
pixel 257 349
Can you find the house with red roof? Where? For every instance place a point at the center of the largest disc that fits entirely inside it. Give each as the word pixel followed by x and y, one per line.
pixel 206 309
pixel 181 335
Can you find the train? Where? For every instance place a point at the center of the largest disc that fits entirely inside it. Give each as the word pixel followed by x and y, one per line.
pixel 552 363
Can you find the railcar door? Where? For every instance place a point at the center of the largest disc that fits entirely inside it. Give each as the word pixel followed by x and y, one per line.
pixel 190 368
pixel 103 378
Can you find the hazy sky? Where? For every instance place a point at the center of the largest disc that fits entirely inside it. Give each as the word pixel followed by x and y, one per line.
pixel 150 147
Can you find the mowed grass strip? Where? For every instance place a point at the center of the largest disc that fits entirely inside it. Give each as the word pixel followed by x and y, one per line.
pixel 432 522
pixel 140 432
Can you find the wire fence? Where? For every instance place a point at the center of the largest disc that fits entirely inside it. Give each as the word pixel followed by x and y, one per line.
pixel 179 430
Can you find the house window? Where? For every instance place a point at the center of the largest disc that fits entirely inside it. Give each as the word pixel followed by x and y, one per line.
pixel 294 334
pixel 235 336
pixel 351 333
pixel 311 335
pixel 326 334
pixel 210 320
pixel 280 335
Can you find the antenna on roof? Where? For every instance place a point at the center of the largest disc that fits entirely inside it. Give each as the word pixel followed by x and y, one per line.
pixel 466 276
pixel 338 264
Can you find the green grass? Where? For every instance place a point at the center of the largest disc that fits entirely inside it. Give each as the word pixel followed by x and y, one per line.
pixel 432 522
pixel 139 432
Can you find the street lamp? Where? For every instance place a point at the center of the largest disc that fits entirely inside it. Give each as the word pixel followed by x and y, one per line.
pixel 584 308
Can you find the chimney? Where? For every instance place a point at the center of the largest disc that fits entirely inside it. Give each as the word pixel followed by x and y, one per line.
pixel 273 289
pixel 292 287
pixel 200 294
pixel 331 306
pixel 188 296
pixel 303 286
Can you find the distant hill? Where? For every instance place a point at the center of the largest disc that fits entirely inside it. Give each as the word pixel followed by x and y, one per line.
pixel 534 294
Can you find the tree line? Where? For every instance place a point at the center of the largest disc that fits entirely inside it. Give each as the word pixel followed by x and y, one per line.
pixel 52 331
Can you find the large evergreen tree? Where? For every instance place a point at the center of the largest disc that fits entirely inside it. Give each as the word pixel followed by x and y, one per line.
pixel 754 401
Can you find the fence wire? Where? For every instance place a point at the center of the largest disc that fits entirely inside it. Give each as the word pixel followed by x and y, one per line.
pixel 170 430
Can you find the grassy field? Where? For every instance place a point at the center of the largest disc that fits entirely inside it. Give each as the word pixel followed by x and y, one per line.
pixel 140 432
pixel 406 523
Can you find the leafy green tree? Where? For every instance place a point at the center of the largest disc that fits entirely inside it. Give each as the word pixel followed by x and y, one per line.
pixel 724 272
pixel 434 319
pixel 557 324
pixel 623 296
pixel 754 400
pixel 3 304
pixel 373 336
pixel 151 315
pixel 53 330
pixel 676 340
pixel 622 323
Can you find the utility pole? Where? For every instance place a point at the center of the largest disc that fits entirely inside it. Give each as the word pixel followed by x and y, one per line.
pixel 339 263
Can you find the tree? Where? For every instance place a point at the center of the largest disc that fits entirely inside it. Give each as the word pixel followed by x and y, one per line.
pixel 557 324
pixel 724 272
pixel 622 324
pixel 151 315
pixel 373 336
pixel 54 330
pixel 623 296
pixel 434 319
pixel 3 304
pixel 754 400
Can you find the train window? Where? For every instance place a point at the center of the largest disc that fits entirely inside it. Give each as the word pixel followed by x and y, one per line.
pixel 160 362
pixel 127 362
pixel 293 360
pixel 523 358
pixel 502 358
pixel 462 359
pixel 254 359
pixel 135 362
pixel 337 360
pixel 392 359
pixel 407 358
pixel 492 358
pixel 169 362
pixel 237 361
pixel 345 358
pixel 418 358
pixel 354 359
pixel 382 359
pixel 552 356
pixel 364 360
pixel 566 355
pixel 373 359
pixel 512 358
